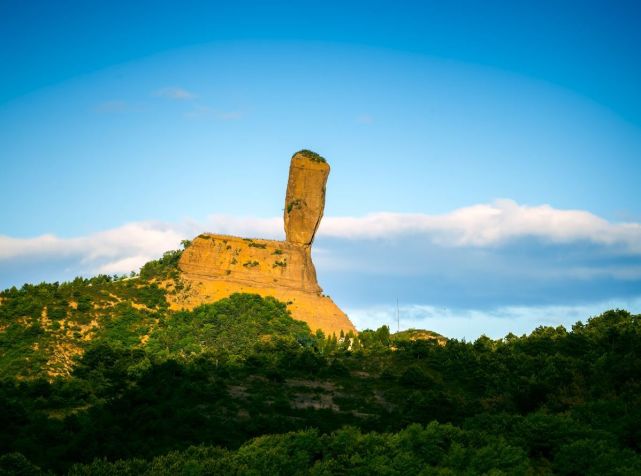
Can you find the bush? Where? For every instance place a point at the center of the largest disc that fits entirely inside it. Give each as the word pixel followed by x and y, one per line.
pixel 313 156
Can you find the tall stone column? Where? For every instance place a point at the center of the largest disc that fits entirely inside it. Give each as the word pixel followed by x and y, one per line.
pixel 305 198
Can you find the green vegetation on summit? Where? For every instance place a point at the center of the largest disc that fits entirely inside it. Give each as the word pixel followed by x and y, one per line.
pixel 313 156
pixel 100 376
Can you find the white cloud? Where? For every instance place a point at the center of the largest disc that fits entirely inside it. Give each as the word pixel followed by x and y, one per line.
pixel 117 250
pixel 486 225
pixel 482 225
pixel 490 225
pixel 175 93
pixel 123 265
pixel 495 323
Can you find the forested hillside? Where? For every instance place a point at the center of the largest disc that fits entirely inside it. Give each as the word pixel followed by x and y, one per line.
pixel 100 377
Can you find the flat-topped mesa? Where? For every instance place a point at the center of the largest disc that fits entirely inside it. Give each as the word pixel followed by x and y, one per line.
pixel 305 197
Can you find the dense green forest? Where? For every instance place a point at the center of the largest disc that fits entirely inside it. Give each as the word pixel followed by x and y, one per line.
pixel 98 376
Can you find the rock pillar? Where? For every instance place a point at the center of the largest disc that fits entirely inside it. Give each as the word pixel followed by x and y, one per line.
pixel 305 197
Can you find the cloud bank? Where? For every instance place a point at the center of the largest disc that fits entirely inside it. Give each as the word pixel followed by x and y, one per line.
pixel 490 225
pixel 479 226
pixel 496 323
pixel 117 250
pixel 460 273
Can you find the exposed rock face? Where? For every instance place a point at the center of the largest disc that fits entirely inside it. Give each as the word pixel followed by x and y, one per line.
pixel 253 262
pixel 215 266
pixel 305 198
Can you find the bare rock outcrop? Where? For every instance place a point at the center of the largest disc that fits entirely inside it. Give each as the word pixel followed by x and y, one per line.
pixel 215 266
pixel 305 197
pixel 251 261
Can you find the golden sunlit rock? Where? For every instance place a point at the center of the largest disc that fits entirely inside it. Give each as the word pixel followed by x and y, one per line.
pixel 215 266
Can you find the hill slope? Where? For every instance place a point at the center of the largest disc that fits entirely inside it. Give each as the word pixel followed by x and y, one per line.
pixel 103 368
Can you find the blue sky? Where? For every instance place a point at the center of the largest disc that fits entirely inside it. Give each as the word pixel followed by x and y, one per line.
pixel 497 146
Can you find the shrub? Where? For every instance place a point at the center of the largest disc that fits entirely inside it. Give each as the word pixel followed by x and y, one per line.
pixel 311 155
pixel 294 205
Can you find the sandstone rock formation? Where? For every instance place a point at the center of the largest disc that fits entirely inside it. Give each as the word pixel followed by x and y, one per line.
pixel 305 198
pixel 251 262
pixel 215 266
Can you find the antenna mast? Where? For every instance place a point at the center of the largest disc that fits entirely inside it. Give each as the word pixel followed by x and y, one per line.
pixel 398 318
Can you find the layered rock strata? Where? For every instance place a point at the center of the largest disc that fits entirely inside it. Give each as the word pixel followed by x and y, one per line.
pixel 215 266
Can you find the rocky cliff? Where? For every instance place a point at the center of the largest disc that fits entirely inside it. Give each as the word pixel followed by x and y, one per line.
pixel 215 266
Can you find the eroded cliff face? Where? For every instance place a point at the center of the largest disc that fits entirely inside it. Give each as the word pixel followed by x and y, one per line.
pixel 253 262
pixel 215 266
